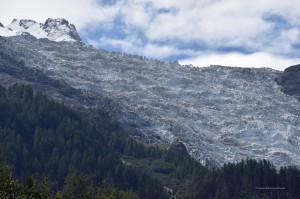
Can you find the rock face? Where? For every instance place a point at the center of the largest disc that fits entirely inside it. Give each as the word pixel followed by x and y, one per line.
pixel 26 23
pixel 221 114
pixel 53 29
pixel 178 147
pixel 58 29
pixel 290 81
pixel 1 25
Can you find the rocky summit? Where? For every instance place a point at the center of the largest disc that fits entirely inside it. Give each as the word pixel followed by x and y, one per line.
pixel 220 114
pixel 53 29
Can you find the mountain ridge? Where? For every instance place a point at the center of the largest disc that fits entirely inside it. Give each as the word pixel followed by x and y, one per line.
pixel 53 29
pixel 221 114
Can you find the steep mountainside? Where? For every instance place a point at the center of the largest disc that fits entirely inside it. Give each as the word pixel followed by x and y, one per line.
pixel 220 113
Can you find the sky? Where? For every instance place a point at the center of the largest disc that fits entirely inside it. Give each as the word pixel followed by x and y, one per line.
pixel 257 33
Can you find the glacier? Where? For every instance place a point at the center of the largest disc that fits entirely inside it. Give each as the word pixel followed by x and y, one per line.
pixel 221 114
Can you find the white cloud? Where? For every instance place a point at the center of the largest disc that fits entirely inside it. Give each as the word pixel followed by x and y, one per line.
pixel 126 46
pixel 136 14
pixel 166 25
pixel 79 12
pixel 230 22
pixel 283 43
pixel 161 52
pixel 255 60
pixel 135 46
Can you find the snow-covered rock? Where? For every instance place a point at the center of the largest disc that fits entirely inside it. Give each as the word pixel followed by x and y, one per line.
pixel 53 29
pixel 60 30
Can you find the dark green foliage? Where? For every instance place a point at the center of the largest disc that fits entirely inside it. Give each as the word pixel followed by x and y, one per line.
pixel 9 187
pixel 76 187
pixel 43 136
pixel 105 192
pixel 248 179
pixel 32 188
pixel 47 138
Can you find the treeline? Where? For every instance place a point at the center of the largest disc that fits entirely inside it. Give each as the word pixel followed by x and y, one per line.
pixel 87 154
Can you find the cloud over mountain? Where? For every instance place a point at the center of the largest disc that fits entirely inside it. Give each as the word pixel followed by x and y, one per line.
pixel 176 29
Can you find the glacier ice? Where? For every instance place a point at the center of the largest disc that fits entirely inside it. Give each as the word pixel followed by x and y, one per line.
pixel 221 114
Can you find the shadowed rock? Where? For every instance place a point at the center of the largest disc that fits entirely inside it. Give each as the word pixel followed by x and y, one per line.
pixel 178 147
pixel 290 81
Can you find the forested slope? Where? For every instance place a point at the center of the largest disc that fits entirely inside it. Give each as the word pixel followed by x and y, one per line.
pixel 55 150
pixel 46 138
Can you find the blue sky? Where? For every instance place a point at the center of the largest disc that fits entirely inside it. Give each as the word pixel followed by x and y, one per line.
pixel 200 32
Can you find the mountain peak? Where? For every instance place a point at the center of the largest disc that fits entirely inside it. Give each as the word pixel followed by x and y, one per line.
pixel 58 21
pixel 26 23
pixel 53 29
pixel 60 29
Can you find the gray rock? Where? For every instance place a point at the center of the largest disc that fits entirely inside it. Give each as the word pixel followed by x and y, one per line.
pixel 290 81
pixel 24 23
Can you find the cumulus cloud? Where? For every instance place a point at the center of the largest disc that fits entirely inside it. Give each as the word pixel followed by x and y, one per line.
pixel 254 60
pixel 135 46
pixel 221 29
pixel 79 12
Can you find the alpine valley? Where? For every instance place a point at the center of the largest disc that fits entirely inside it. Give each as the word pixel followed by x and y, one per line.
pixel 221 114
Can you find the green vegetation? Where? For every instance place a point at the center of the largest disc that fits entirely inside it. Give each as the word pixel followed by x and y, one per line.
pixel 62 153
pixel 44 138
pixel 75 187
